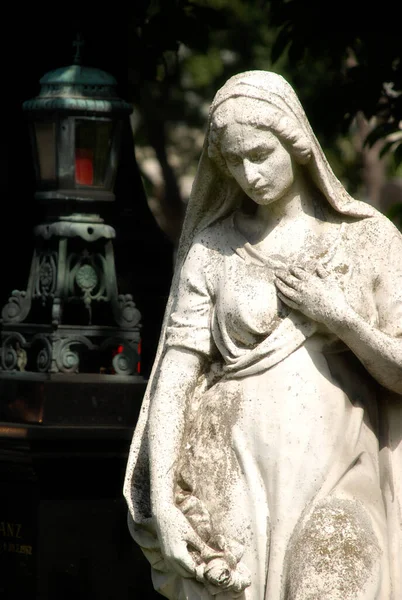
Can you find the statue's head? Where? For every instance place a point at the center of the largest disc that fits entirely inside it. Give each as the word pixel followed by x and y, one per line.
pixel 262 116
pixel 259 103
pixel 258 145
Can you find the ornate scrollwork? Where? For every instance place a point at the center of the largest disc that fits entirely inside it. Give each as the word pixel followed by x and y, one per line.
pixel 86 278
pixel 17 307
pixel 67 358
pixel 45 283
pixel 43 360
pixel 125 363
pixel 13 354
pixel 124 353
pixel 70 360
pixel 126 314
pixel 44 355
pixel 70 273
pixel 9 358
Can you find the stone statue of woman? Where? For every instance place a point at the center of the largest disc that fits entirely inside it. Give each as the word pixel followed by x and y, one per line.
pixel 267 461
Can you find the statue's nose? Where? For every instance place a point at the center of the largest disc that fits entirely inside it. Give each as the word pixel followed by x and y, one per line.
pixel 250 172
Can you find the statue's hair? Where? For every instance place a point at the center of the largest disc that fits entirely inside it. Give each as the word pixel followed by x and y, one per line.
pixel 266 118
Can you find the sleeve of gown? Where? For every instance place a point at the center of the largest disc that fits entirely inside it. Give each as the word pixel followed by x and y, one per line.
pixel 389 303
pixel 189 325
pixel 389 291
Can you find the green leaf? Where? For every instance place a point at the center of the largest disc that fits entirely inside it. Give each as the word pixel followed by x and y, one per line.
pixel 379 132
pixel 281 43
pixel 395 215
pixel 398 155
pixel 388 147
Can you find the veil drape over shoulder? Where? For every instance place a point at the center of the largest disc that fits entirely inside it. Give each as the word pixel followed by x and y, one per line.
pixel 213 197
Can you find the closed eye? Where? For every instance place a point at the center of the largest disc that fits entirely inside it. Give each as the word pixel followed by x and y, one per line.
pixel 233 159
pixel 256 155
pixel 260 154
pixel 260 157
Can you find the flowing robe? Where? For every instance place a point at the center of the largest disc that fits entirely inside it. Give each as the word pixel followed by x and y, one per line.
pixel 282 444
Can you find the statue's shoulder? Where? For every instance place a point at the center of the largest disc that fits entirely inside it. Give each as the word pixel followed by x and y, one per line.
pixel 375 225
pixel 215 238
pixel 373 234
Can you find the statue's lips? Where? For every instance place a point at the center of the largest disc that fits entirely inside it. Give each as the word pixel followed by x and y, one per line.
pixel 259 189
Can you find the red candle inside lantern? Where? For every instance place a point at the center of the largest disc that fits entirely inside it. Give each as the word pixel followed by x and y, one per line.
pixel 139 357
pixel 84 166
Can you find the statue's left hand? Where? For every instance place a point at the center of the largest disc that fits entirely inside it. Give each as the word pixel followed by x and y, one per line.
pixel 176 537
pixel 313 294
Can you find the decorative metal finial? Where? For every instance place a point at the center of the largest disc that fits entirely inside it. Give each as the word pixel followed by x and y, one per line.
pixel 78 44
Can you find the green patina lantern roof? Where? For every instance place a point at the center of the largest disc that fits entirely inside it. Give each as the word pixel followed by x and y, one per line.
pixel 78 89
pixel 78 75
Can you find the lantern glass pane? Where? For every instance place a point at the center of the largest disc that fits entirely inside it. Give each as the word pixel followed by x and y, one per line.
pixel 46 146
pixel 92 149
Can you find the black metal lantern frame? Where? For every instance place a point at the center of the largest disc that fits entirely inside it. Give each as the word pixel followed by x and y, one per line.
pixel 76 126
pixel 75 157
pixel 71 318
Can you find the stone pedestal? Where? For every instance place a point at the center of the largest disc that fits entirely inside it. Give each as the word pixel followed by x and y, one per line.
pixel 73 400
pixel 65 520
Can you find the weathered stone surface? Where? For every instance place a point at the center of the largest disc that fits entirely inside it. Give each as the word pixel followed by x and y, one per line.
pixel 267 460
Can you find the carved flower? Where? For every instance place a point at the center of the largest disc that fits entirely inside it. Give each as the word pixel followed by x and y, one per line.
pixel 86 277
pixel 218 573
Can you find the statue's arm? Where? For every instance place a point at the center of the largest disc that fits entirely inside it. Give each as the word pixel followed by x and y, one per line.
pixel 379 349
pixel 189 346
pixel 379 345
pixel 188 349
pixel 177 378
pixel 380 352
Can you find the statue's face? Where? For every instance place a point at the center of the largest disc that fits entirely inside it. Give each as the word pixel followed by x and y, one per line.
pixel 258 161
